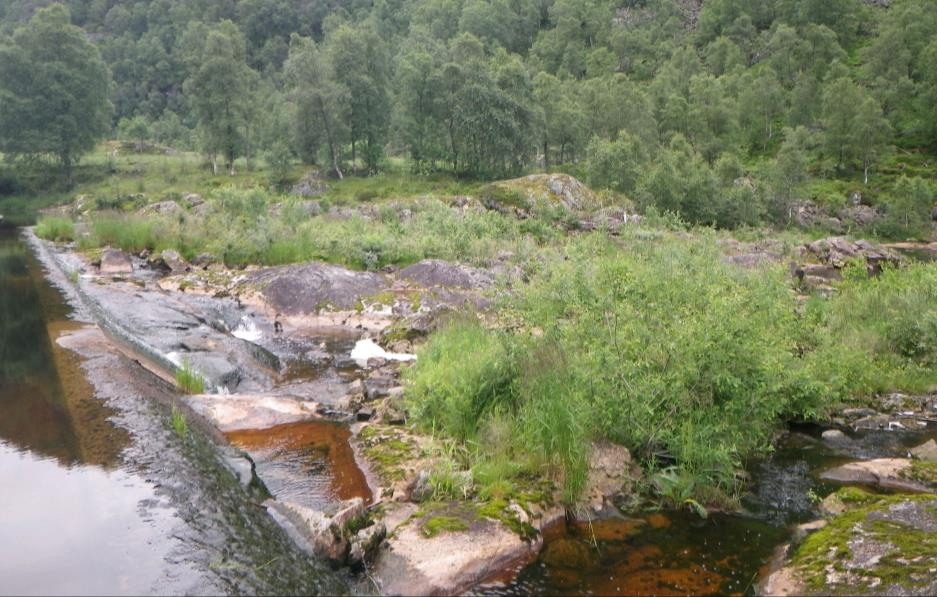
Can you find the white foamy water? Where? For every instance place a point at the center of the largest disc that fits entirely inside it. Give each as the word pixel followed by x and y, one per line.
pixel 368 349
pixel 247 330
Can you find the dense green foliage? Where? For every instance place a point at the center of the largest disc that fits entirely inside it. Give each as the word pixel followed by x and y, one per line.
pixel 647 97
pixel 687 361
pixel 54 91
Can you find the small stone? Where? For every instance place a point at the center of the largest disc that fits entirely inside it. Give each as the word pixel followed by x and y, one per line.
pixel 519 513
pixel 926 451
pixel 834 435
pixel 365 414
pixel 422 489
pixel 809 527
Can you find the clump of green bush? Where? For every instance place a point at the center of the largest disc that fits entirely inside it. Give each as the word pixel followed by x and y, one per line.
pixel 689 362
pixel 55 228
pixel 241 228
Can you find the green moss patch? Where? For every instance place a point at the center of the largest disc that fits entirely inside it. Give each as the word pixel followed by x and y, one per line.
pixel 389 450
pixel 922 472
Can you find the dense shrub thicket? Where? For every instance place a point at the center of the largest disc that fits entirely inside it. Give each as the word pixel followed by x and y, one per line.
pixel 688 362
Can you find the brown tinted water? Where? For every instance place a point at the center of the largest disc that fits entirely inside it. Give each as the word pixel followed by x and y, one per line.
pixel 309 463
pixel 678 553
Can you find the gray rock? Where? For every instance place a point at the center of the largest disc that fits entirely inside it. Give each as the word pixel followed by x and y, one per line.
pixel 115 261
pixel 163 208
pixel 194 199
pixel 834 436
pixel 926 451
pixel 309 288
pixel 391 411
pixel 310 208
pixel 311 185
pixel 422 489
pixel 217 370
pixel 887 473
pixel 860 215
pixel 365 543
pixel 435 272
pixel 174 262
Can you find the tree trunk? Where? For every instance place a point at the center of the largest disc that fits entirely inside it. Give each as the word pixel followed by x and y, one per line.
pixel 354 158
pixel 67 171
pixel 546 155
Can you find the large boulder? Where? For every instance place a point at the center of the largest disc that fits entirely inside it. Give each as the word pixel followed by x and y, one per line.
pixel 550 189
pixel 887 473
pixel 435 272
pixel 926 451
pixel 170 262
pixel 311 185
pixel 871 545
pixel 162 208
pixel 115 262
pixel 309 288
pixel 611 473
pixel 838 251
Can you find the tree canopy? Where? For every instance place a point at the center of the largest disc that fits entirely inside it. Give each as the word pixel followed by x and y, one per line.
pixel 54 90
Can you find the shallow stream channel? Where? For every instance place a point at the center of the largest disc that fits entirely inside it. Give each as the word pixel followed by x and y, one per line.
pixel 103 490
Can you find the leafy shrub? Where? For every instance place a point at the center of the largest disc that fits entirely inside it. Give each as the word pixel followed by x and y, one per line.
pixel 467 374
pixel 685 360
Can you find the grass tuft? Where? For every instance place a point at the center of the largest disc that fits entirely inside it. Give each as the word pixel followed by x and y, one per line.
pixel 189 380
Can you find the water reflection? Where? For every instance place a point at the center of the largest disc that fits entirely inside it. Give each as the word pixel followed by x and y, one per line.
pixel 80 530
pixel 70 521
pixel 46 405
pixel 673 554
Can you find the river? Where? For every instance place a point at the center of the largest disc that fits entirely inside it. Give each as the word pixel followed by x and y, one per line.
pixel 98 493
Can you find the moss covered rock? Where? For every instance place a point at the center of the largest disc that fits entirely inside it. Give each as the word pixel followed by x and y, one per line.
pixel 878 544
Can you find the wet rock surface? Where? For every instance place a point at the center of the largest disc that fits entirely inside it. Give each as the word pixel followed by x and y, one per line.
pixel 290 372
pixel 885 473
pixel 225 544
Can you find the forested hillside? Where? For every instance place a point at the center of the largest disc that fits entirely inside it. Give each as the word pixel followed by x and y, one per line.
pixel 725 111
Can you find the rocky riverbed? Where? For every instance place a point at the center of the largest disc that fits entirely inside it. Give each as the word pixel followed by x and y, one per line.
pixel 286 353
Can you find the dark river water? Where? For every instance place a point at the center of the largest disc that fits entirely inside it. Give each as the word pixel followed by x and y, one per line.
pixel 100 496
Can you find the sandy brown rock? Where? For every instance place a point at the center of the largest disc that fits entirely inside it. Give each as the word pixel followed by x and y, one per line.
pixel 232 412
pixel 887 473
pixel 115 261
